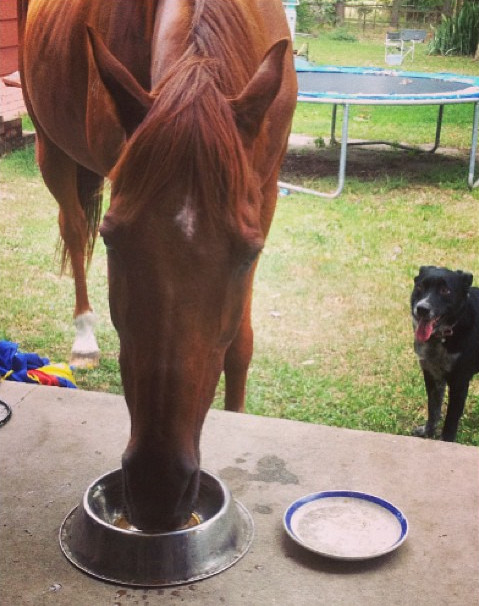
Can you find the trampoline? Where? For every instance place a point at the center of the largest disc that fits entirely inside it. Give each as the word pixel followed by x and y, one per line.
pixel 373 86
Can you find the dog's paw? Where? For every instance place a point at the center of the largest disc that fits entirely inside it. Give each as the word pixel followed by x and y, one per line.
pixel 423 431
pixel 448 436
pixel 419 432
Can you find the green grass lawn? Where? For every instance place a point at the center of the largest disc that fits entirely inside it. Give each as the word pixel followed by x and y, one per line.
pixel 331 309
pixel 328 49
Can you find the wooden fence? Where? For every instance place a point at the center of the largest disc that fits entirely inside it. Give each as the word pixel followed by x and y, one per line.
pixel 369 15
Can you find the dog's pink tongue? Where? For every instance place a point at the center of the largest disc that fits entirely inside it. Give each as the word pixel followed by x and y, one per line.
pixel 424 330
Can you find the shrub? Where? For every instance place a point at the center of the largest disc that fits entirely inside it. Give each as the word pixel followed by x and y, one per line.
pixel 457 35
pixel 341 34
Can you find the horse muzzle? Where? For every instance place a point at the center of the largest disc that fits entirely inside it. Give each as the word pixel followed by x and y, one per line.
pixel 158 496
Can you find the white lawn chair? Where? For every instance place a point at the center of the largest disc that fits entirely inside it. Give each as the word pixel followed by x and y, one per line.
pixel 393 48
pixel 398 45
pixel 411 37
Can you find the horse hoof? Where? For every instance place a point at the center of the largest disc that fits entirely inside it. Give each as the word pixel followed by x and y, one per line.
pixel 85 360
pixel 85 352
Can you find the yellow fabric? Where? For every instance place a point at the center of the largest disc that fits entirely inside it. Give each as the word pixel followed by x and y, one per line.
pixel 58 370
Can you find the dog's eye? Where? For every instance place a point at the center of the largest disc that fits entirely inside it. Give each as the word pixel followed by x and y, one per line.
pixel 419 287
pixel 444 290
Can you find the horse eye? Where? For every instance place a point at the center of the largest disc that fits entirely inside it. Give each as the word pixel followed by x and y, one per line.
pixel 111 248
pixel 108 244
pixel 248 262
pixel 109 232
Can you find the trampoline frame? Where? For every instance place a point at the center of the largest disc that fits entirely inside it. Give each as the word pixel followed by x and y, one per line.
pixel 346 100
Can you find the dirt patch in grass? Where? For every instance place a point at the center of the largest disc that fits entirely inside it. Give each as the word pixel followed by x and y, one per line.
pixel 370 164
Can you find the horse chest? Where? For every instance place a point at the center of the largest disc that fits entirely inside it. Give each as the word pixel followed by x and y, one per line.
pixel 434 357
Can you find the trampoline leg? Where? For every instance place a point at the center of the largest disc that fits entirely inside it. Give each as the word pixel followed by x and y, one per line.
pixel 438 130
pixel 472 157
pixel 343 153
pixel 342 164
pixel 333 126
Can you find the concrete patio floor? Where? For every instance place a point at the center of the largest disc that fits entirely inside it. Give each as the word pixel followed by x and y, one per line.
pixel 59 440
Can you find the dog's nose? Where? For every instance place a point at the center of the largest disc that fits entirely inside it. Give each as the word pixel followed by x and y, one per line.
pixel 423 309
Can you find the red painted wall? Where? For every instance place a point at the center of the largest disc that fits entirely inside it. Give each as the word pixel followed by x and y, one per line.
pixel 8 37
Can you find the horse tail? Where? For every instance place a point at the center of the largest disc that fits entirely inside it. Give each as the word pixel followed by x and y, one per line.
pixel 90 195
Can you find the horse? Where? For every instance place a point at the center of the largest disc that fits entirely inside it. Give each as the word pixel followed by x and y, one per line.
pixel 186 107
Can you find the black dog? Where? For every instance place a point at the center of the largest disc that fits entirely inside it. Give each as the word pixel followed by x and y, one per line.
pixel 445 317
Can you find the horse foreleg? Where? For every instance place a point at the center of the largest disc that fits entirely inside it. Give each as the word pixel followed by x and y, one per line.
pixel 63 178
pixel 236 364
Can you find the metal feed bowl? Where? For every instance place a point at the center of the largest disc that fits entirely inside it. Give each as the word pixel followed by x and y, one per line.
pixel 93 542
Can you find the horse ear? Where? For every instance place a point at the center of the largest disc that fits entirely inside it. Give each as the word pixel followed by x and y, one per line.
pixel 131 100
pixel 251 105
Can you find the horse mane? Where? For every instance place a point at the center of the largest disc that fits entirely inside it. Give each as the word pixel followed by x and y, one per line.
pixel 189 138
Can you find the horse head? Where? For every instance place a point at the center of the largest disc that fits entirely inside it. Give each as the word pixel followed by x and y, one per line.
pixel 183 233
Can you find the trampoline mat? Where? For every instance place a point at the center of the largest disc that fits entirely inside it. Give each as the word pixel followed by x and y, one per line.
pixel 326 83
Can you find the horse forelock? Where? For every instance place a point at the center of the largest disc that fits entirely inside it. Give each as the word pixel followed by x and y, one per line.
pixel 189 140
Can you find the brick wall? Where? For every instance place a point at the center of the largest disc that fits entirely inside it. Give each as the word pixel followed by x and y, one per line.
pixel 8 37
pixel 12 137
pixel 11 98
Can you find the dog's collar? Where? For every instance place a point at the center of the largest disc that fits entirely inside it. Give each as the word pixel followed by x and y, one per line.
pixel 444 332
pixel 447 330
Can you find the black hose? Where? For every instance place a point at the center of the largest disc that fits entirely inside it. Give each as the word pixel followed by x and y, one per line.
pixel 5 413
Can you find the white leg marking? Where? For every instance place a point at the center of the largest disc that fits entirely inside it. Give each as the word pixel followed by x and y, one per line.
pixel 85 344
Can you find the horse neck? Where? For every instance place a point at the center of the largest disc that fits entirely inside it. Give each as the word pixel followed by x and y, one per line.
pixel 182 28
pixel 170 36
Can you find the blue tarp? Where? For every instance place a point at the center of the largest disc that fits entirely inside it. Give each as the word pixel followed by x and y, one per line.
pixel 27 367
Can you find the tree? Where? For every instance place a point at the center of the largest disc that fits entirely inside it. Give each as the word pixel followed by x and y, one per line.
pixel 395 13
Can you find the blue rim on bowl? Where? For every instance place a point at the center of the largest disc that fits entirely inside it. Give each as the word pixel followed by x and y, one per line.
pixel 346 524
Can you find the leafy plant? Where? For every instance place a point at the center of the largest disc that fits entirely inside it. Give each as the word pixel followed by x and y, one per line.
pixel 459 34
pixel 343 35
pixel 305 18
pixel 313 13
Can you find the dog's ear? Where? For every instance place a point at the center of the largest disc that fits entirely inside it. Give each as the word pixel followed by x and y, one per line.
pixel 425 268
pixel 422 271
pixel 466 279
